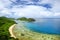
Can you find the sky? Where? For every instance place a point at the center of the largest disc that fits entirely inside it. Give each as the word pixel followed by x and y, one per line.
pixel 30 8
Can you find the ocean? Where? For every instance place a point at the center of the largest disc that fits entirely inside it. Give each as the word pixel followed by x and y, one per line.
pixel 49 26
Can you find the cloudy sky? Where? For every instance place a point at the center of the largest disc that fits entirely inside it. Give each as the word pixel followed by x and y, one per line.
pixel 30 8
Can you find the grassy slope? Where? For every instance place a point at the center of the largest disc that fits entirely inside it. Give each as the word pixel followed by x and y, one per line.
pixel 5 23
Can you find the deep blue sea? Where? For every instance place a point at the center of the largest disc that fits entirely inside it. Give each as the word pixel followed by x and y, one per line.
pixel 49 26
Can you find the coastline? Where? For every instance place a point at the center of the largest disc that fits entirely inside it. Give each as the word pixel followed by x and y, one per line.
pixel 31 35
pixel 23 33
pixel 11 30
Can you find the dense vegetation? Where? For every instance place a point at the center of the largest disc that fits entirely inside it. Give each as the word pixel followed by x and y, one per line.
pixel 5 23
pixel 26 19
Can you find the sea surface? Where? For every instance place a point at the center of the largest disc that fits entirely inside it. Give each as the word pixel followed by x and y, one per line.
pixel 49 26
pixel 43 25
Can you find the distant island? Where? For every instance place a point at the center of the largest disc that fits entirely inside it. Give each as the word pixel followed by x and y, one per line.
pixel 26 19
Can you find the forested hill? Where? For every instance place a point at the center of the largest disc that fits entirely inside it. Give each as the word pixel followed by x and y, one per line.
pixel 5 23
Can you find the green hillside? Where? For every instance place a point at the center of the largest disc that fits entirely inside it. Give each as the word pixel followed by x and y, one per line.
pixel 26 19
pixel 5 23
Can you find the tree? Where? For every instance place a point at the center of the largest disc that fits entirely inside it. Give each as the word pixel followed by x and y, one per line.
pixel 22 18
pixel 26 19
pixel 5 23
pixel 31 19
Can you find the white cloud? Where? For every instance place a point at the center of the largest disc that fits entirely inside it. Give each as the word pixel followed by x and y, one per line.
pixel 34 11
pixel 57 14
pixel 55 4
pixel 31 10
pixel 5 3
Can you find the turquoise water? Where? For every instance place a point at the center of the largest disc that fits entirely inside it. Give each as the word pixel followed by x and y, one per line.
pixel 49 26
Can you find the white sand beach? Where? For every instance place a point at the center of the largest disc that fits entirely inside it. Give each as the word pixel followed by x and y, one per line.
pixel 11 30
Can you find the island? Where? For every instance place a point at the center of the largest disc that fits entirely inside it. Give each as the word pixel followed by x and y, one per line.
pixel 26 19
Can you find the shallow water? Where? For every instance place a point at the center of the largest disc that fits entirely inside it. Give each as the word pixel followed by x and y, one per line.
pixel 36 30
pixel 49 26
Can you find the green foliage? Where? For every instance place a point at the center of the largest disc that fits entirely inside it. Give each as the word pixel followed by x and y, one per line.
pixel 5 23
pixel 22 34
pixel 31 19
pixel 22 19
pixel 26 19
pixel 11 38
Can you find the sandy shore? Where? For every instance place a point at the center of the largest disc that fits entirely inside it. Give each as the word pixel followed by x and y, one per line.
pixel 11 30
pixel 23 33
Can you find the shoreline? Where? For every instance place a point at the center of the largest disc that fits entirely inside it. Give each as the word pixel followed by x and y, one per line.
pixel 11 31
pixel 26 34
